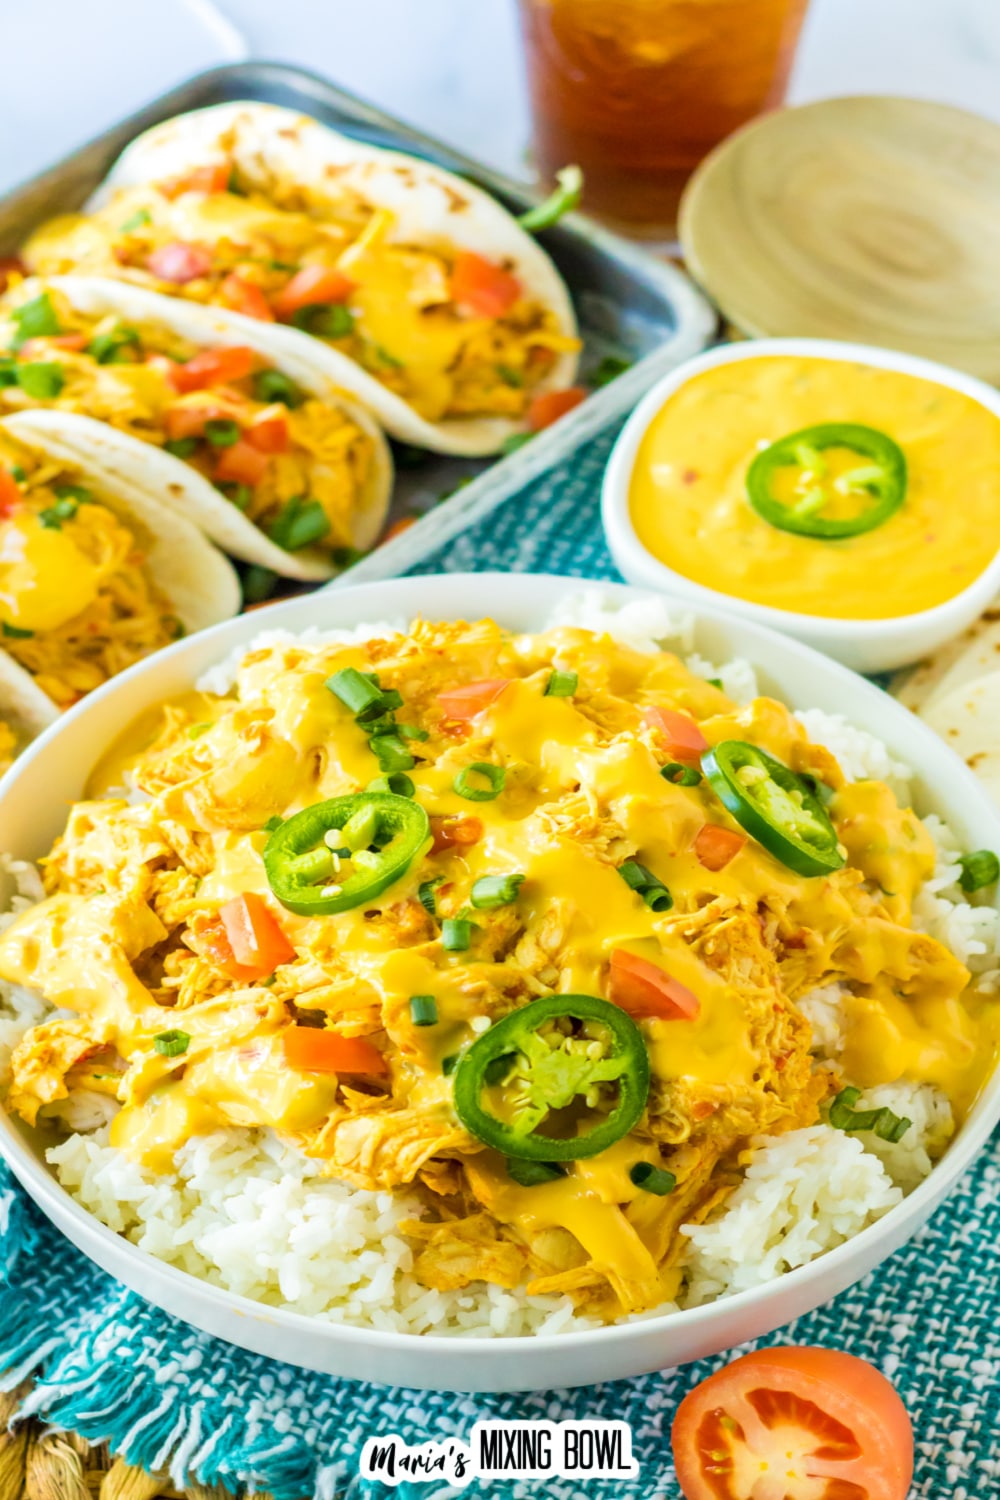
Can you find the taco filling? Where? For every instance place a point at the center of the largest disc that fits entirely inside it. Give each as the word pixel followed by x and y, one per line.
pixel 76 604
pixel 450 331
pixel 297 466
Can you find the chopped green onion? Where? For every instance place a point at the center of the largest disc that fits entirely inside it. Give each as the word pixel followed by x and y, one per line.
pixel 646 885
pixel 18 473
pixel 135 221
pixel 41 379
pixel 883 1122
pixel 106 347
pixel 180 447
pixel 398 784
pixel 679 775
pixel 258 583
pixel 494 891
pixel 346 557
pixel 35 320
pixel 222 432
pixel 511 444
pixel 64 509
pixel 610 367
pixel 382 724
pixel 510 377
pixel 715 682
pixel 411 732
pixel 274 385
pixel 8 372
pixel 652 1179
pixel 383 356
pixel 456 934
pixel 562 684
pixel 562 200
pixel 325 320
pixel 391 753
pixel 388 700
pixel 197 730
pixel 979 869
pixel 76 492
pixel 273 824
pixel 15 633
pixel 171 1043
pixel 301 523
pixel 533 1173
pixel 354 689
pixel 426 897
pixel 494 775
pixel 423 1010
pixel 239 495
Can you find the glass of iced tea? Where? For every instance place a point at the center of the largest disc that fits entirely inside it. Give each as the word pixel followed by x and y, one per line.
pixel 639 91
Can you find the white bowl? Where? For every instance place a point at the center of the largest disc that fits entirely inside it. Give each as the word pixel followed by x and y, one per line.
pixel 866 645
pixel 33 801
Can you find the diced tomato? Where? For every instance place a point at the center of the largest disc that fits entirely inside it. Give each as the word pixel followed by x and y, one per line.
pixel 644 989
pixel 269 434
pixel 455 833
pixel 313 286
pixel 482 287
pixel 179 262
pixel 398 527
pixel 241 464
pixel 317 1051
pixel 684 739
pixel 34 348
pixel 258 942
pixel 10 495
pixel 243 297
pixel 214 367
pixel 189 421
pixel 472 697
pixel 805 1424
pixel 716 846
pixel 214 179
pixel 549 406
pixel 10 266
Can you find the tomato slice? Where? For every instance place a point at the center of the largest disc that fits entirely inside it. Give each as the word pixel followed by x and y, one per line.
pixel 716 846
pixel 269 434
pixel 179 262
pixel 10 494
pixel 214 179
pixel 313 286
pixel 455 833
pixel 38 348
pixel 684 739
pixel 644 989
pixel 794 1424
pixel 551 405
pixel 316 1051
pixel 243 297
pixel 213 367
pixel 255 936
pixel 472 697
pixel 481 286
pixel 241 463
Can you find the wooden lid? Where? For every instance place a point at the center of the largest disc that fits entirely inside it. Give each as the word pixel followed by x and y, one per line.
pixel 869 219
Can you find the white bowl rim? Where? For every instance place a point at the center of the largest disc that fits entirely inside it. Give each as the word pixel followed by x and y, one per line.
pixel 623 538
pixel 973 1135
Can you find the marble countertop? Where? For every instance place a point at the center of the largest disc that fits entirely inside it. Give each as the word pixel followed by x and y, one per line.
pixel 450 66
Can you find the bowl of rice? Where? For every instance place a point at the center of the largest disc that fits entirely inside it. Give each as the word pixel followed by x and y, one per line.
pixel 431 1268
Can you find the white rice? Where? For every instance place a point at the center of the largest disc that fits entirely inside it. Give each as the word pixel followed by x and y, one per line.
pixel 250 1213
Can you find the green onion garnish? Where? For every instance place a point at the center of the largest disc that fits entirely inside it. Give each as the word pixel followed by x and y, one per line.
pixel 494 891
pixel 679 775
pixel 423 1010
pixel 885 1124
pixel 456 934
pixel 610 367
pixel 180 447
pixel 171 1043
pixel 64 509
pixel 398 784
pixel 562 200
pixel 8 372
pixel 510 376
pixel 646 884
pixel 426 896
pixel 196 731
pixel 15 633
pixel 41 379
pixel 979 869
pixel 35 320
pixel 354 689
pixel 273 385
pixel 494 775
pixel 652 1179
pixel 391 753
pixel 301 523
pixel 411 732
pixel 135 221
pixel 106 347
pixel 325 320
pixel 562 684
pixel 258 583
pixel 388 700
pixel 222 432
pixel 533 1173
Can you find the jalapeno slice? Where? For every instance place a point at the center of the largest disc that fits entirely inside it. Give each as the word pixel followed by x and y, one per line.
pixel 774 806
pixel 522 1087
pixel 309 878
pixel 882 478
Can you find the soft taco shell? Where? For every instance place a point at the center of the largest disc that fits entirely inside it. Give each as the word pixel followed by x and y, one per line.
pixel 178 485
pixel 968 720
pixel 974 653
pixel 431 206
pixel 200 584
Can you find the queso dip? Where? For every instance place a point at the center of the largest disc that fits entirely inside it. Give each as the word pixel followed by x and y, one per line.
pixel 690 505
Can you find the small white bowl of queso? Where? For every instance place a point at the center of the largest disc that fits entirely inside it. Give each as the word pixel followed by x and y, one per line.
pixel 846 495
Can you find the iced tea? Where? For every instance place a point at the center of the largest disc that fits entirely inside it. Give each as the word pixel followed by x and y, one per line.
pixel 638 91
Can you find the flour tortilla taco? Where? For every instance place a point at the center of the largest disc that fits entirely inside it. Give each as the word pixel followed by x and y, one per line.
pixel 253 446
pixel 94 575
pixel 423 296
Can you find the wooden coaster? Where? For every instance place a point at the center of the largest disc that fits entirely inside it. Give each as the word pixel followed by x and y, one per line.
pixel 870 219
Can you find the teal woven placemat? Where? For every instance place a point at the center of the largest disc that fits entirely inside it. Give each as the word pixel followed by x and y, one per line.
pixel 113 1368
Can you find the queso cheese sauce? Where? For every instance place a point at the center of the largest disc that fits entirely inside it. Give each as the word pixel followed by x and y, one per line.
pixel 690 507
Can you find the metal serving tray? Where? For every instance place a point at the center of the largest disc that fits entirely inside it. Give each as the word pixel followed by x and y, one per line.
pixel 629 303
